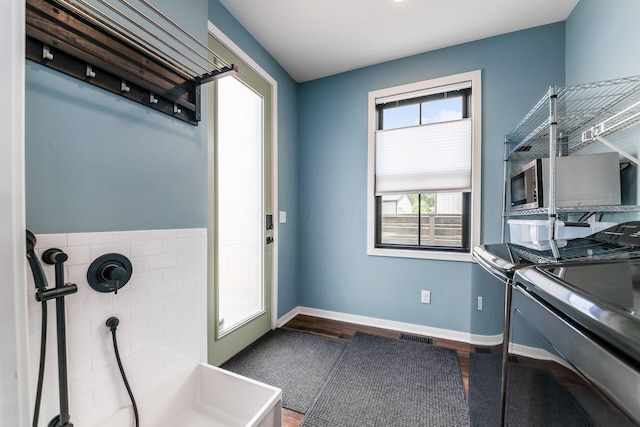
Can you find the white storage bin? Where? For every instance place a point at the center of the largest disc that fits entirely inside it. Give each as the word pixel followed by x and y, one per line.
pixel 528 230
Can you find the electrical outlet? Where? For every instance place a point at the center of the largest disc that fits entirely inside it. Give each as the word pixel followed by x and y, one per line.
pixel 479 303
pixel 425 297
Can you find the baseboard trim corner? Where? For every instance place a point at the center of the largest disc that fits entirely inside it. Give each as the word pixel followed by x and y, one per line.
pixel 288 316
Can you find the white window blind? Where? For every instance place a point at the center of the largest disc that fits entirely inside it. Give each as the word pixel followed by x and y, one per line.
pixel 426 158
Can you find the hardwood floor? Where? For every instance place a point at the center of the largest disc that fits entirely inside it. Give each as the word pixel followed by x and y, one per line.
pixel 345 332
pixel 291 418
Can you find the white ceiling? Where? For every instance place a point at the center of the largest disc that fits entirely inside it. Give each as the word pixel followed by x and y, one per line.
pixel 318 38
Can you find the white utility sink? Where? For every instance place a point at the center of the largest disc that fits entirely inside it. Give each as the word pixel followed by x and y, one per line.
pixel 206 396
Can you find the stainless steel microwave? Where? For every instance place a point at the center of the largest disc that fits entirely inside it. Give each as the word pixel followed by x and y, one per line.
pixel 587 180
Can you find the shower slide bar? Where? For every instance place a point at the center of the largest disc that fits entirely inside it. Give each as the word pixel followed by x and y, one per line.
pixel 137 52
pixel 57 258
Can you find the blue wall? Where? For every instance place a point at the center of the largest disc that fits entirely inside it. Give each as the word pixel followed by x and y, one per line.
pixel 98 162
pixel 335 272
pixel 602 40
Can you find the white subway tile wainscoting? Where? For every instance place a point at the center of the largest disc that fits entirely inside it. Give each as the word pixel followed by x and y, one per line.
pixel 162 313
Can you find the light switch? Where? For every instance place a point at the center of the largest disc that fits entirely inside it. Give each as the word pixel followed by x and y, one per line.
pixel 283 217
pixel 425 297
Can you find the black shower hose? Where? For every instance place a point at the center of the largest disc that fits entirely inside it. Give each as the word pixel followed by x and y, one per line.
pixel 43 352
pixel 112 324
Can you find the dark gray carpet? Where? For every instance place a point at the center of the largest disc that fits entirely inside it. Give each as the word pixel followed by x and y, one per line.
pixel 298 363
pixel 388 382
pixel 535 397
pixel 485 371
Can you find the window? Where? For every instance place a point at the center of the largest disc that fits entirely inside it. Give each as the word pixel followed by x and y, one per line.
pixel 424 168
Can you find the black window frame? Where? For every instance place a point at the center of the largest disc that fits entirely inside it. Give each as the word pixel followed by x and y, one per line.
pixel 465 94
pixel 466 195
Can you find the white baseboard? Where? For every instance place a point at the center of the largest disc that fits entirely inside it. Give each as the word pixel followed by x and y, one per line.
pixel 410 328
pixel 290 315
pixel 485 340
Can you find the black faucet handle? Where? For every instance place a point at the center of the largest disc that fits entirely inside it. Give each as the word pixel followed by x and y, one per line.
pixel 109 272
pixel 114 273
pixel 53 256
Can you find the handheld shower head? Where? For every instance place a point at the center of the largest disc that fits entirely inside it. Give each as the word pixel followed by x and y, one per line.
pixel 31 241
pixel 39 278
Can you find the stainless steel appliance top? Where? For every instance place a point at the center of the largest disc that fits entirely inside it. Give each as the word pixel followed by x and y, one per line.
pixel 619 242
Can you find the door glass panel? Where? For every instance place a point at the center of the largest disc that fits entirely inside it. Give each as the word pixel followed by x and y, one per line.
pixel 240 212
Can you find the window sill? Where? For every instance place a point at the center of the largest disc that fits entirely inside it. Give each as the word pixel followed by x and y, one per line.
pixel 421 254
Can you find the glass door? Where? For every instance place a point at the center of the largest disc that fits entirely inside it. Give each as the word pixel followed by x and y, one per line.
pixel 240 248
